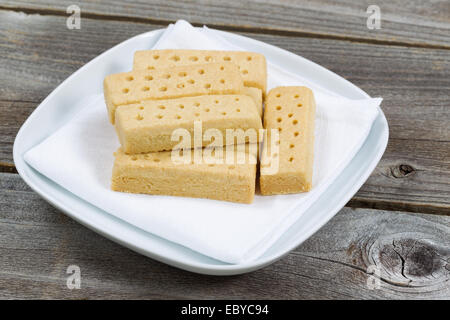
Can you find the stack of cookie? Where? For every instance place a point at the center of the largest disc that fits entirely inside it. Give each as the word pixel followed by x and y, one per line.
pixel 189 124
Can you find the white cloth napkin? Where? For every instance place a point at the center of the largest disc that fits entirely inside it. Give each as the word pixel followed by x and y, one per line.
pixel 79 157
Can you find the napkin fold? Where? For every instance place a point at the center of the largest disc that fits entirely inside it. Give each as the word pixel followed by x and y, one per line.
pixel 79 157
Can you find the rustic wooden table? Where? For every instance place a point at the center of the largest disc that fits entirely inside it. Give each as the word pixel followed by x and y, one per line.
pixel 399 221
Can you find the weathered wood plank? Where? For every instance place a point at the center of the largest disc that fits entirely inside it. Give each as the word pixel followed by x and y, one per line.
pixel 414 173
pixel 38 243
pixel 424 23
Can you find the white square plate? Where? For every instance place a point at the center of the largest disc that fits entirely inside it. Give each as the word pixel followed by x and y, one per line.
pixel 62 104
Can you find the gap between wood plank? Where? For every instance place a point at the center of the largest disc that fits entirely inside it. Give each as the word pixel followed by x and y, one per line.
pixel 7 167
pixel 235 28
pixel 393 205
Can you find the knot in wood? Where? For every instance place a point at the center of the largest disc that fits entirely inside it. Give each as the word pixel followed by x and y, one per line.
pixel 402 171
pixel 412 260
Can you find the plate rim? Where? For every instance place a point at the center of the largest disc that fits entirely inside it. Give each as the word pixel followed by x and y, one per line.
pixel 220 269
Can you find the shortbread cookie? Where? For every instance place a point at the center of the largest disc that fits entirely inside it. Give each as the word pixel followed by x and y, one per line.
pixel 183 81
pixel 287 162
pixel 256 95
pixel 150 126
pixel 251 65
pixel 157 173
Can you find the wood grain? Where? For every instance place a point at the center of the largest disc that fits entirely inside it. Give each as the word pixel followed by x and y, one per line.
pixel 414 174
pixel 412 23
pixel 406 62
pixel 38 243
